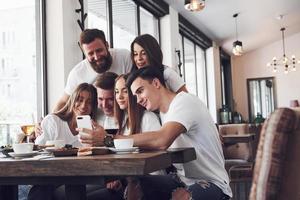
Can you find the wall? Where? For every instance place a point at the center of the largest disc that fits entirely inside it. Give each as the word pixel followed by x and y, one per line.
pixel 214 81
pixel 62 49
pixel 253 65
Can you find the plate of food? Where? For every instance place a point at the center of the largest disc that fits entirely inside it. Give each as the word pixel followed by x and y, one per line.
pixel 86 151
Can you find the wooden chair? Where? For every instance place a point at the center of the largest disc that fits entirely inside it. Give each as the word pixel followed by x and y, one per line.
pixel 276 172
pixel 238 148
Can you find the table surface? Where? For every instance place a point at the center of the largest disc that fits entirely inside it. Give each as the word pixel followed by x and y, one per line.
pixel 88 169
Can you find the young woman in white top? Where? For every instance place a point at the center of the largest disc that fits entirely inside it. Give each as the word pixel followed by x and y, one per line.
pixel 61 125
pixel 146 51
pixel 131 118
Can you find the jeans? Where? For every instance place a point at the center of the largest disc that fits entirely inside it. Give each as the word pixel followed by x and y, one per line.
pixel 162 187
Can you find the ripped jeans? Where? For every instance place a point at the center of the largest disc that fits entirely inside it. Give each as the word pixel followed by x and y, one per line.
pixel 164 187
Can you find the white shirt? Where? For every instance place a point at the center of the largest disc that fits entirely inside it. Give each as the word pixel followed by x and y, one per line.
pixel 150 122
pixel 172 79
pixel 84 73
pixel 55 128
pixel 201 134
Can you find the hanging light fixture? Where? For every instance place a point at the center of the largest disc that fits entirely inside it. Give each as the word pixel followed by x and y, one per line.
pixel 237 49
pixel 289 64
pixel 194 5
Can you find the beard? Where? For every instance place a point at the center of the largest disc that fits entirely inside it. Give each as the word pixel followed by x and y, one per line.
pixel 104 65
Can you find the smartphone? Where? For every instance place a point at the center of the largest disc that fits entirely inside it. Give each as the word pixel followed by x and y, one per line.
pixel 84 121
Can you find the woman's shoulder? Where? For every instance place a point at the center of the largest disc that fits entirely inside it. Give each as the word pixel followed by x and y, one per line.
pixel 51 118
pixel 148 115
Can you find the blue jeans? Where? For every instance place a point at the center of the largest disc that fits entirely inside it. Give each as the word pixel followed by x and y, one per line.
pixel 161 188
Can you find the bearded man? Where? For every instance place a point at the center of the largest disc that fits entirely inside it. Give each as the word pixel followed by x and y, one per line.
pixel 99 59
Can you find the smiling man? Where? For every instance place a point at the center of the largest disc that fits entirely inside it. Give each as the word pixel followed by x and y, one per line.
pixel 99 59
pixel 186 122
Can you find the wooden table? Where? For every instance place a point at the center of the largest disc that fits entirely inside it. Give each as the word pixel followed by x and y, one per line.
pixel 85 170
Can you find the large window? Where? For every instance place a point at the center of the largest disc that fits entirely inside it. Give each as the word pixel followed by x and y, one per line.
pixel 193 44
pixel 124 23
pixel 194 68
pixel 20 67
pixel 124 18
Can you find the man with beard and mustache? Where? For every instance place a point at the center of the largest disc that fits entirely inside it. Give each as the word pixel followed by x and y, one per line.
pixel 99 59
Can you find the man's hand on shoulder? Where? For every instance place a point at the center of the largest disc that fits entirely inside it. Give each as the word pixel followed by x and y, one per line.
pixel 61 102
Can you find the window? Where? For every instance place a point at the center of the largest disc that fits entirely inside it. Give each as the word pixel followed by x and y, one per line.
pixel 149 23
pixel 193 46
pixel 194 68
pixel 125 19
pixel 20 76
pixel 97 15
pixel 124 23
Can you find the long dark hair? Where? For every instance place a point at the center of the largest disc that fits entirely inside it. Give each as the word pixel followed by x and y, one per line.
pixel 134 110
pixel 66 113
pixel 152 49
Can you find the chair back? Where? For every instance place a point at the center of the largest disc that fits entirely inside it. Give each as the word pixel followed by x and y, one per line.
pixel 239 150
pixel 276 173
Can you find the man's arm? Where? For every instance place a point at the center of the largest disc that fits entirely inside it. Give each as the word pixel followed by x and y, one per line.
pixel 61 102
pixel 160 139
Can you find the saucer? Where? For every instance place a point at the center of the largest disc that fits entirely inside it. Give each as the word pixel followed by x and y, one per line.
pixel 127 150
pixel 50 149
pixel 22 155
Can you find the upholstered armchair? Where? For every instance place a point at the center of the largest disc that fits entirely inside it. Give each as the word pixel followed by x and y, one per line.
pixel 277 168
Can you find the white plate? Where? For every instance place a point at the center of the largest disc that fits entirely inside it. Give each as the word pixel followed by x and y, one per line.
pixel 50 149
pixel 127 150
pixel 21 155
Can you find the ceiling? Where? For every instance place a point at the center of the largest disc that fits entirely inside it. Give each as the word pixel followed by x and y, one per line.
pixel 257 22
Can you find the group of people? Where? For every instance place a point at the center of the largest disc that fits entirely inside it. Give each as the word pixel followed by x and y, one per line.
pixel 147 101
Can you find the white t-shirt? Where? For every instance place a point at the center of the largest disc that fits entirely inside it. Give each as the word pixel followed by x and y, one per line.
pixel 150 122
pixel 201 134
pixel 105 121
pixel 84 73
pixel 172 79
pixel 55 128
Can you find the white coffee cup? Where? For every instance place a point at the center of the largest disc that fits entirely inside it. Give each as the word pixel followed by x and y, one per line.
pixel 123 143
pixel 57 143
pixel 23 147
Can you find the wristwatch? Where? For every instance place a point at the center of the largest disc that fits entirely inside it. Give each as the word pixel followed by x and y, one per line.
pixel 108 140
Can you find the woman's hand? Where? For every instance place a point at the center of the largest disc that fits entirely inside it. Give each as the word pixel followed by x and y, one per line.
pixel 93 137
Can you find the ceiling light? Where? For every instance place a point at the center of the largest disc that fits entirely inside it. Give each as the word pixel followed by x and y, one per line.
pixel 237 49
pixel 194 5
pixel 289 64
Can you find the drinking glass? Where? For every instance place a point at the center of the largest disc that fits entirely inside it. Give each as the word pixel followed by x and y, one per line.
pixel 28 130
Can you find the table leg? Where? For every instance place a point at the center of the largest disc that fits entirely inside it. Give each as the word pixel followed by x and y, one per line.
pixel 75 192
pixel 9 192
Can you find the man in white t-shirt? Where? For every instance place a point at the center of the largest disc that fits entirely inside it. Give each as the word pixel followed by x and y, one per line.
pixel 99 59
pixel 186 122
pixel 104 84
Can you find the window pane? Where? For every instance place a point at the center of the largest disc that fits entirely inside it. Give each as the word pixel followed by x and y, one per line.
pixel 189 66
pixel 124 23
pixel 201 74
pixel 149 24
pixel 97 15
pixel 18 66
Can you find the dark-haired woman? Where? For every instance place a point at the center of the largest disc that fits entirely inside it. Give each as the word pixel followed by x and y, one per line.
pixel 145 51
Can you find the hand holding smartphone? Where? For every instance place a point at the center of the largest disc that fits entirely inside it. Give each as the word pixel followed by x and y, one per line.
pixel 84 121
